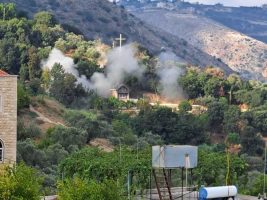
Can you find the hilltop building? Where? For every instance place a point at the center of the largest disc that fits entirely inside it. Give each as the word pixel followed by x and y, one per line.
pixel 122 93
pixel 8 118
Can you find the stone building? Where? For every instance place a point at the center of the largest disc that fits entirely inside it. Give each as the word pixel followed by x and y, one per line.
pixel 122 93
pixel 8 118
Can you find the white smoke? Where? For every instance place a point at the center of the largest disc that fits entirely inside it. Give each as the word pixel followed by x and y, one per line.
pixel 121 63
pixel 169 71
pixel 56 56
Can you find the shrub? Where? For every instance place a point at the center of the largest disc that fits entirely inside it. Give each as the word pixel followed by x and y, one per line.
pixel 23 97
pixel 82 190
pixel 20 182
pixel 29 131
pixel 185 106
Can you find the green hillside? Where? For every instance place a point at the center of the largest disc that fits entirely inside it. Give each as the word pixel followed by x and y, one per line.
pixel 59 118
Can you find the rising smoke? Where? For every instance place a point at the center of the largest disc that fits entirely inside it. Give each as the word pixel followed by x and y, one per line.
pixel 121 63
pixel 56 56
pixel 169 71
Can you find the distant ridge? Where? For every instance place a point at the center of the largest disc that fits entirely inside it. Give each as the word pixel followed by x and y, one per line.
pixel 241 53
pixel 104 20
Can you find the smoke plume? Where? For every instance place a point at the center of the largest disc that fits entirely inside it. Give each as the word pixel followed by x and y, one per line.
pixel 56 56
pixel 121 63
pixel 169 71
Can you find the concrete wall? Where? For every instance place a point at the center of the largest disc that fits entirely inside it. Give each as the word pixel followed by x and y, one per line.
pixel 8 117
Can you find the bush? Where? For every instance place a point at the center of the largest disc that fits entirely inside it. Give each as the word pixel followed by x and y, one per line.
pixel 79 189
pixel 68 136
pixel 20 182
pixel 29 131
pixel 23 97
pixel 185 106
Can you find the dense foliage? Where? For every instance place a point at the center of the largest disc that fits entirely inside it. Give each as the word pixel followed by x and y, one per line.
pixel 88 190
pixel 20 182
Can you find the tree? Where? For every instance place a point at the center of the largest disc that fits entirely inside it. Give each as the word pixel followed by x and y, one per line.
pixel 193 83
pixel 63 86
pixel 214 87
pixel 215 114
pixel 45 28
pixel 123 131
pixel 20 182
pixel 79 189
pixel 9 56
pixel 94 164
pixel 7 11
pixel 68 137
pixel 232 139
pixel 231 119
pixel 251 141
pixel 88 68
pixel 43 20
pixel 211 169
pixel 29 153
pixel 33 63
pixel 23 97
pixel 259 119
pixel 46 79
pixel 184 106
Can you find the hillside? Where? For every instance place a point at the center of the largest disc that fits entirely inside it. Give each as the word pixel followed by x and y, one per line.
pixel 251 21
pixel 62 117
pixel 242 53
pixel 102 19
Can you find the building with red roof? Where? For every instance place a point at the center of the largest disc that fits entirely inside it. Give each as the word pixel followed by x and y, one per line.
pixel 3 73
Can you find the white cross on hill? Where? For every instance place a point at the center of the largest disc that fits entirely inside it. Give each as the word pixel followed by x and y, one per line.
pixel 121 39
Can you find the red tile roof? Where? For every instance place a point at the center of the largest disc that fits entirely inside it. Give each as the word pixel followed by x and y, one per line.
pixel 3 73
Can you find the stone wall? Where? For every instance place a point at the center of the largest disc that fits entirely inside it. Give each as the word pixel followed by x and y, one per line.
pixel 8 117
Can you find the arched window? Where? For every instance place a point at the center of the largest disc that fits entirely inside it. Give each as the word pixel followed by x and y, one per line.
pixel 1 151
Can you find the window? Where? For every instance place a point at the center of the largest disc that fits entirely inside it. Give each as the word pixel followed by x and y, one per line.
pixel 123 96
pixel 1 151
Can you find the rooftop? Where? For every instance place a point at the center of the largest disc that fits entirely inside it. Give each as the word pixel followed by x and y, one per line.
pixel 3 73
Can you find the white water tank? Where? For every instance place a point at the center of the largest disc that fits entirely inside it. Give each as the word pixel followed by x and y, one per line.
pixel 217 192
pixel 174 156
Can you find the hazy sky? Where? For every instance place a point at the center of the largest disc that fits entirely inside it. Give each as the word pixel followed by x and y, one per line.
pixel 232 2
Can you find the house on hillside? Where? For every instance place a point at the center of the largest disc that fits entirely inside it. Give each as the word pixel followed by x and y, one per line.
pixel 8 118
pixel 122 93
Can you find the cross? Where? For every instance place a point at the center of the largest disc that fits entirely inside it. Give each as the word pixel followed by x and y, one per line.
pixel 120 39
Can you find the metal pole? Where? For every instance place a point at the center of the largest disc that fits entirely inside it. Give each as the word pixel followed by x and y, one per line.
pixel 264 173
pixel 129 186
pixel 120 149
pixel 150 184
pixel 137 147
pixel 4 13
pixel 182 183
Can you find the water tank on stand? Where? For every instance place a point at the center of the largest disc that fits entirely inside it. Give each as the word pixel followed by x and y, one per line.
pixel 174 156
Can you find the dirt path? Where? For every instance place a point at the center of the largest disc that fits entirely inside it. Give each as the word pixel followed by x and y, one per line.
pixel 103 144
pixel 44 118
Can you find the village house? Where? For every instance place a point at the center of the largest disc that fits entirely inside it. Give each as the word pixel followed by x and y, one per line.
pixel 122 93
pixel 8 118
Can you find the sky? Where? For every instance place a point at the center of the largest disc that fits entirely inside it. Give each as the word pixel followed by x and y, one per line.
pixel 232 2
